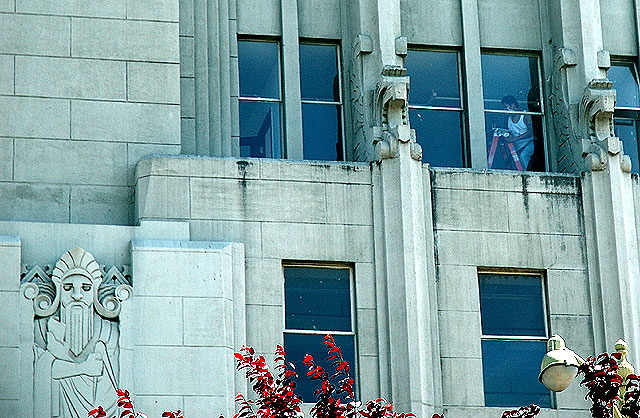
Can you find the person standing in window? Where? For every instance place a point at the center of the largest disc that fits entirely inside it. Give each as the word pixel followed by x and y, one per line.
pixel 520 131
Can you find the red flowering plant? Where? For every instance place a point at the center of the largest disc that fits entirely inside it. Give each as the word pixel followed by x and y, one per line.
pixel 128 409
pixel 276 394
pixel 602 382
pixel 530 411
pixel 631 407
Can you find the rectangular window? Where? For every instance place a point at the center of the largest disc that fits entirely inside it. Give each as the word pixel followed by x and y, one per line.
pixel 260 99
pixel 514 335
pixel 317 302
pixel 624 75
pixel 513 112
pixel 321 93
pixel 435 106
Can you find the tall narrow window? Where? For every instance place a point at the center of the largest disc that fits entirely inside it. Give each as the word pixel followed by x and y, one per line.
pixel 624 75
pixel 513 112
pixel 435 106
pixel 321 102
pixel 317 302
pixel 260 99
pixel 514 335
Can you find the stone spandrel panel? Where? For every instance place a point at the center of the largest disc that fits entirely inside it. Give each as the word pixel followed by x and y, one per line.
pixel 76 334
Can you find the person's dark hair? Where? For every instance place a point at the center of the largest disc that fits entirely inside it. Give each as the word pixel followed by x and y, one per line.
pixel 509 100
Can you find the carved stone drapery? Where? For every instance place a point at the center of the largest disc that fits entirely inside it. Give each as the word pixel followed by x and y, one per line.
pixel 391 113
pixel 76 305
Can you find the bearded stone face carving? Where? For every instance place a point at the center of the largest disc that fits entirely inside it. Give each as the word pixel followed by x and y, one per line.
pixel 75 335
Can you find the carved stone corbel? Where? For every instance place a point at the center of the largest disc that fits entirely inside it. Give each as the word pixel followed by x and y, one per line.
pixel 596 123
pixel 391 113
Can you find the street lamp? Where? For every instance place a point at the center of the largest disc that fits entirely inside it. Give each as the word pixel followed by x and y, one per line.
pixel 560 366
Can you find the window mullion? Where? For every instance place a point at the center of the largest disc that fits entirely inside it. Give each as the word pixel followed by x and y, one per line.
pixel 292 106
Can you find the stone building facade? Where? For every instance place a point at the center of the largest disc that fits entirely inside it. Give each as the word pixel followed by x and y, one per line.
pixel 142 241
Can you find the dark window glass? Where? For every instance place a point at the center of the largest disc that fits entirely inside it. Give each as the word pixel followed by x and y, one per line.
pixel 306 293
pixel 521 155
pixel 513 112
pixel 512 305
pixel 435 106
pixel 259 101
pixel 309 317
pixel 439 133
pixel 259 68
pixel 297 345
pixel 514 333
pixel 627 113
pixel 625 81
pixel 510 372
pixel 259 129
pixel 434 78
pixel 321 102
pixel 322 132
pixel 319 72
pixel 504 75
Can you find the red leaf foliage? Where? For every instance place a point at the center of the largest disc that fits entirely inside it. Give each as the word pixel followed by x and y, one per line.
pixel 530 411
pixel 602 383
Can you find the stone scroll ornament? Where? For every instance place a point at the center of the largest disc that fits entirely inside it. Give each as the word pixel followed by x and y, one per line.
pixel 76 306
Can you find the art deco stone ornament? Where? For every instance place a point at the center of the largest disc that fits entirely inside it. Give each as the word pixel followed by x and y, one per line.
pixel 392 115
pixel 75 334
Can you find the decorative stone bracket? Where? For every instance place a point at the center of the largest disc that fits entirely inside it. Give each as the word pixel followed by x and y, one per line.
pixel 392 115
pixel 596 124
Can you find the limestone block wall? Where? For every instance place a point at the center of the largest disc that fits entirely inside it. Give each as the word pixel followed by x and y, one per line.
pixel 303 212
pixel 179 333
pixel 86 89
pixel 12 359
pixel 506 221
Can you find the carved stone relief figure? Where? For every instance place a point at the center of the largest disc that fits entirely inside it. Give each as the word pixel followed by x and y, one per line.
pixel 75 335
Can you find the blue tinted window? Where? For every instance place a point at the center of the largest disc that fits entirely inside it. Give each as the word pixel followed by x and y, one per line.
pixel 319 72
pixel 514 333
pixel 434 78
pixel 322 132
pixel 625 81
pixel 306 292
pixel 321 102
pixel 513 112
pixel 435 106
pixel 439 133
pixel 512 305
pixel 259 69
pixel 510 75
pixel 297 345
pixel 510 372
pixel 259 129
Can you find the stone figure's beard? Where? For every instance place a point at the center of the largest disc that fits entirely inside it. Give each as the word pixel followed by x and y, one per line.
pixel 79 329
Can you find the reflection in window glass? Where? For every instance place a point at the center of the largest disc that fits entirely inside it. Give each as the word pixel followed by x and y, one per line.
pixel 307 318
pixel 321 102
pixel 513 332
pixel 627 112
pixel 513 112
pixel 435 106
pixel 439 134
pixel 259 102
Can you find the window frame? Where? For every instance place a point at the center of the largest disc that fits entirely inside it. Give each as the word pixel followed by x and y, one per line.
pixel 326 265
pixel 538 54
pixel 545 309
pixel 282 140
pixel 628 113
pixel 462 109
pixel 336 43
